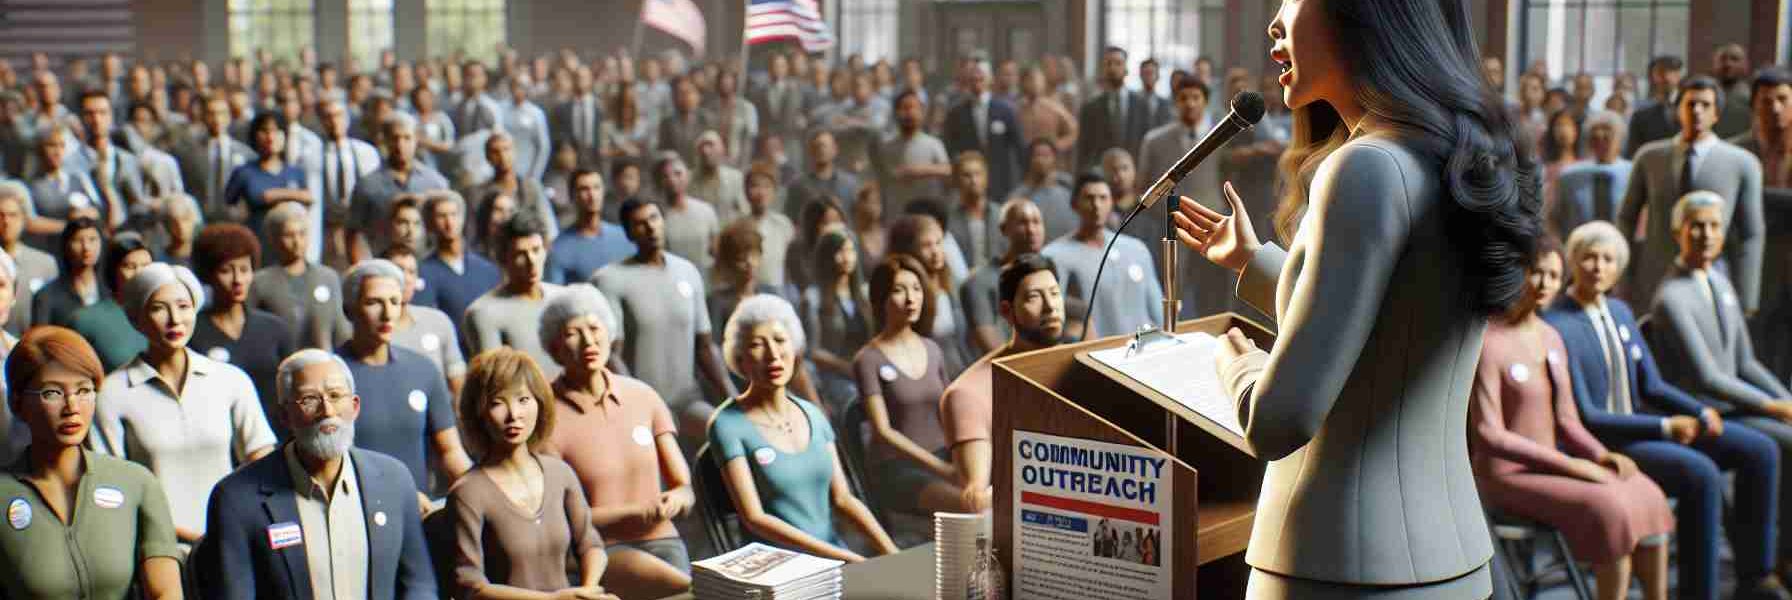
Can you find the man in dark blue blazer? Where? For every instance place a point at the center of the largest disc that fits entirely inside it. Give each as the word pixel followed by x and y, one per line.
pixel 270 536
pixel 1614 377
pixel 989 124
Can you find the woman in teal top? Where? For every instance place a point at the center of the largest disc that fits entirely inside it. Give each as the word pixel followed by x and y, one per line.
pixel 78 524
pixel 777 450
pixel 104 323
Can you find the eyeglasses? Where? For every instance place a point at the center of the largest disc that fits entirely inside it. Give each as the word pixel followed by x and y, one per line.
pixel 52 396
pixel 311 402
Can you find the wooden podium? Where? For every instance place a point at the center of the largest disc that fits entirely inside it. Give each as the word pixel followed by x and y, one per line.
pixel 1060 391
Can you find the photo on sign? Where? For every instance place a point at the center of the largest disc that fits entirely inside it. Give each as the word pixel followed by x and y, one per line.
pixel 1131 543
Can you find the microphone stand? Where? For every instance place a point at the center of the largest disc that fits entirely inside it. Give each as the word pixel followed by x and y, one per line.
pixel 1147 336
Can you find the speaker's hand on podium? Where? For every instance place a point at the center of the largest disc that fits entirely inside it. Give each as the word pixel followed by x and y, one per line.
pixel 1227 240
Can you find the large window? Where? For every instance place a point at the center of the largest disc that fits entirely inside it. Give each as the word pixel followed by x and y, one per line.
pixel 369 31
pixel 868 28
pixel 1602 37
pixel 281 27
pixel 1175 32
pixel 472 27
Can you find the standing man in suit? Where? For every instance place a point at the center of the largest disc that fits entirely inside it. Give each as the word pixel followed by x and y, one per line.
pixel 1682 443
pixel 1703 338
pixel 345 161
pixel 208 159
pixel 1656 118
pixel 1165 145
pixel 1206 288
pixel 581 121
pixel 1159 110
pixel 1771 141
pixel 1730 66
pixel 1114 118
pixel 319 518
pixel 781 107
pixel 988 124
pixel 1695 159
pixel 116 175
pixel 476 111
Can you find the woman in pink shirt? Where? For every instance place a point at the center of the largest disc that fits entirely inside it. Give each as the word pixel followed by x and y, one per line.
pixel 622 442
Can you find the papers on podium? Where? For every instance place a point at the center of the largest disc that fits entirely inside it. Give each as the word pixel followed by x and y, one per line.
pixel 763 572
pixel 1183 372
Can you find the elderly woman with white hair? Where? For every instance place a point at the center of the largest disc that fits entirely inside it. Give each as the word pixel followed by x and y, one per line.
pixel 406 410
pixel 1682 443
pixel 307 294
pixel 34 267
pixel 14 435
pixel 186 417
pixel 1593 188
pixel 180 219
pixel 622 441
pixel 777 451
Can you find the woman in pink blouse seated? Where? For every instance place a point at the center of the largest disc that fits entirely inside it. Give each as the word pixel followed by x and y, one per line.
pixel 1522 412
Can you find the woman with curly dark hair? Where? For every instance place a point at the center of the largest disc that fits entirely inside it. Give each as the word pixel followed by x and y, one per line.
pixel 1412 215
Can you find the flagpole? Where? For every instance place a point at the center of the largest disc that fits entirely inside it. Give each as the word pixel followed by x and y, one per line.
pixel 640 21
pixel 746 6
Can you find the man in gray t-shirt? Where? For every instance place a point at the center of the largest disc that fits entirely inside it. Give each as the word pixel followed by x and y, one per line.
pixel 1024 229
pixel 911 164
pixel 1130 295
pixel 660 299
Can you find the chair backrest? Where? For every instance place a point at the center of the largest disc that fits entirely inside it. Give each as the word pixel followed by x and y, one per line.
pixel 438 536
pixel 720 520
pixel 850 436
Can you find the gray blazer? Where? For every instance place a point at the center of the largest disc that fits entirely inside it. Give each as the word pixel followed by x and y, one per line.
pixel 1654 186
pixel 1708 352
pixel 1362 404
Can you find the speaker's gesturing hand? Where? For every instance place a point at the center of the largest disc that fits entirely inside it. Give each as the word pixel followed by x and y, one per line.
pixel 1227 240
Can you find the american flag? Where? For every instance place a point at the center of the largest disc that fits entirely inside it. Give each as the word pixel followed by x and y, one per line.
pixel 799 20
pixel 679 18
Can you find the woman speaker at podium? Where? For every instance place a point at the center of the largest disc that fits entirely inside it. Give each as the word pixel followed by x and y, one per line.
pixel 1412 215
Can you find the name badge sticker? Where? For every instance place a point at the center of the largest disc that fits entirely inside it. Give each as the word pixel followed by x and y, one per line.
pixel 765 456
pixel 321 294
pixel 418 400
pixel 18 514
pixel 106 496
pixel 886 373
pixel 1521 373
pixel 643 436
pixel 285 535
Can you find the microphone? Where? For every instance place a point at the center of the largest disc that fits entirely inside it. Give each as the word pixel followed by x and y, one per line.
pixel 1247 109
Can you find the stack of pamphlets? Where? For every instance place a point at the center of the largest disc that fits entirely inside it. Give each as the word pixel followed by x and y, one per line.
pixel 762 572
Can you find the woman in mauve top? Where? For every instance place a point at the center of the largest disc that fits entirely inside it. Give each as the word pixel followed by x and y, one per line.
pixel 777 451
pixel 1534 459
pixel 622 442
pixel 520 514
pixel 901 374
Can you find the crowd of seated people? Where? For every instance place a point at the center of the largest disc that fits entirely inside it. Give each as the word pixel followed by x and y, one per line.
pixel 450 328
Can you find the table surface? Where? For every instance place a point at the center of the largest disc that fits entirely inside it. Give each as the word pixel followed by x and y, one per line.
pixel 905 575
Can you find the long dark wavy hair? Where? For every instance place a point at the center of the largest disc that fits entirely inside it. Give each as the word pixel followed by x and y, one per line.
pixel 1419 72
